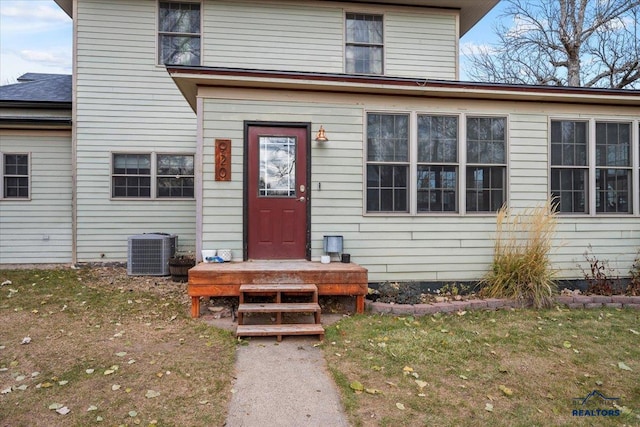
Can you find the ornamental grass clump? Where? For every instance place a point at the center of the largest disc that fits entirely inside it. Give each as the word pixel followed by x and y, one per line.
pixel 521 269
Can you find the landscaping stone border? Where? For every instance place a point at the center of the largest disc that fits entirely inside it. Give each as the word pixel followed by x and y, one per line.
pixel 574 302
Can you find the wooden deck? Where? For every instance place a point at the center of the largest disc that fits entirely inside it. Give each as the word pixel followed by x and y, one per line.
pixel 224 279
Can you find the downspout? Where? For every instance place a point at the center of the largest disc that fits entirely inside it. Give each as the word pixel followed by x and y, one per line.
pixel 199 166
pixel 74 139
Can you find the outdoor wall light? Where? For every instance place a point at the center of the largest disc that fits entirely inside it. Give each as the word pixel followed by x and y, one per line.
pixel 320 136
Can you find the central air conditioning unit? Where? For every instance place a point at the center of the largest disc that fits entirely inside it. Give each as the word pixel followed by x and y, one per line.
pixel 149 254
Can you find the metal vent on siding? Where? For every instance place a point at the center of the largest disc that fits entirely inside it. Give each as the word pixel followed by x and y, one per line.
pixel 149 254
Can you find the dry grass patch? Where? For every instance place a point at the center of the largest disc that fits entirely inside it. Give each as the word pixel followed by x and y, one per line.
pixel 111 349
pixel 505 368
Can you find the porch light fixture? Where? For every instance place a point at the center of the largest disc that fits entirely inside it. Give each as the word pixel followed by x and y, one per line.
pixel 320 136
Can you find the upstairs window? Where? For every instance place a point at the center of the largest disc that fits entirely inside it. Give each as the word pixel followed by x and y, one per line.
pixel 15 176
pixel 364 44
pixel 179 36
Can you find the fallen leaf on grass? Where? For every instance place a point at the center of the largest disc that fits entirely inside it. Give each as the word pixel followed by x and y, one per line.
pixel 407 369
pixel 55 406
pixel 421 384
pixel 63 382
pixel 63 411
pixel 92 408
pixel 506 390
pixel 115 387
pixel 20 378
pixel 23 387
pixel 6 391
pixel 151 394
pixel 400 406
pixel 566 344
pixel 133 414
pixel 624 367
pixel 121 354
pixel 356 386
pixel 26 340
pixel 634 332
pixel 488 407
pixel 90 371
pixel 372 391
pixel 99 419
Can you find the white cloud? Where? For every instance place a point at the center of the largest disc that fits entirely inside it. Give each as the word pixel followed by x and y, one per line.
pixel 30 16
pixel 35 36
pixel 521 26
pixel 472 48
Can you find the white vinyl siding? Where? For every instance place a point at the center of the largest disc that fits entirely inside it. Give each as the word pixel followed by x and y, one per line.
pixel 309 36
pixel 38 229
pixel 125 103
pixel 440 247
pixel 421 45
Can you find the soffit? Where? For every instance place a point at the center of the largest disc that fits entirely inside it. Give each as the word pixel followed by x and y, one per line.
pixel 471 11
pixel 188 79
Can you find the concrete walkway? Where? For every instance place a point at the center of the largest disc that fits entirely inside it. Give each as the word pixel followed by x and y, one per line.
pixel 283 385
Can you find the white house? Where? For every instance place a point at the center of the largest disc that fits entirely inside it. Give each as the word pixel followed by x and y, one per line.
pixel 201 118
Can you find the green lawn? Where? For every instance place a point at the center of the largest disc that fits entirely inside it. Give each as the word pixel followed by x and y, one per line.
pixel 503 368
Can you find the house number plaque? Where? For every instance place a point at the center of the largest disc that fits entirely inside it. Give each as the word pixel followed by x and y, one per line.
pixel 223 160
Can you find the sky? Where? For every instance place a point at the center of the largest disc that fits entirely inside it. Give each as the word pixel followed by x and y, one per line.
pixel 36 36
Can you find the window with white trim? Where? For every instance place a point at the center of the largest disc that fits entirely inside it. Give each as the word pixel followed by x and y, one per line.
pixel 613 168
pixel 387 162
pixel 179 33
pixel 437 163
pixel 592 169
pixel 136 175
pixel 364 47
pixel 431 182
pixel 570 165
pixel 486 163
pixel 15 176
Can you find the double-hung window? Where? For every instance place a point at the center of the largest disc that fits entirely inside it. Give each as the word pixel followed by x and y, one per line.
pixel 415 163
pixel 437 163
pixel 179 33
pixel 160 175
pixel 570 165
pixel 15 176
pixel 175 176
pixel 387 162
pixel 364 44
pixel 613 168
pixel 577 155
pixel 486 164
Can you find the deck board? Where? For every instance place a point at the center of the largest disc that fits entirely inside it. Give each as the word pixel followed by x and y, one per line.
pixel 225 279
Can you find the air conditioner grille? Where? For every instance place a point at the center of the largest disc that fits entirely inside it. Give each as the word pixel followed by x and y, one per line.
pixel 149 254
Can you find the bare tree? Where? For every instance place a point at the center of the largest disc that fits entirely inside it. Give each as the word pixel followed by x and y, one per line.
pixel 589 43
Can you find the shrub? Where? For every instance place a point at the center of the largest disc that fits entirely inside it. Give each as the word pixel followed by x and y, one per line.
pixel 600 277
pixel 521 268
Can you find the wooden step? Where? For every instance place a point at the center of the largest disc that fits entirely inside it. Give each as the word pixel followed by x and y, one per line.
pixel 297 307
pixel 289 287
pixel 279 330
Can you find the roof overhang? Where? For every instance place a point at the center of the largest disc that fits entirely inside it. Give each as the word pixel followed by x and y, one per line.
pixel 188 79
pixel 471 11
pixel 67 6
pixel 35 123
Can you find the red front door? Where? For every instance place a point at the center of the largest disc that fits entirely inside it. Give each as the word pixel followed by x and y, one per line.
pixel 277 192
